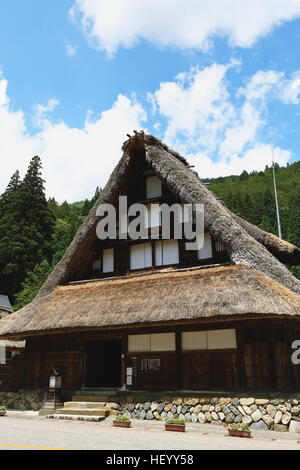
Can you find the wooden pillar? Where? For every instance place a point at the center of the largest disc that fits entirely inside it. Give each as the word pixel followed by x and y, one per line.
pixel 124 357
pixel 84 359
pixel 81 377
pixel 240 334
pixel 179 383
pixel 289 337
pixel 272 369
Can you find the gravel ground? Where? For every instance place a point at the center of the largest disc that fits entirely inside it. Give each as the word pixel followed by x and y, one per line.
pixel 28 430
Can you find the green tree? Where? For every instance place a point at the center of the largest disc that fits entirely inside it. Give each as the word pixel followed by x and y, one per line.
pixel 32 284
pixel 26 228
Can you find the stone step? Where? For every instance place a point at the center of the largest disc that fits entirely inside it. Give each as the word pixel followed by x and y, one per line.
pixel 76 417
pixel 83 411
pixel 84 404
pixel 96 393
pixel 94 399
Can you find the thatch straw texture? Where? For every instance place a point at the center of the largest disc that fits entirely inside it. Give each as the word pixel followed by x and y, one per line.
pixel 179 295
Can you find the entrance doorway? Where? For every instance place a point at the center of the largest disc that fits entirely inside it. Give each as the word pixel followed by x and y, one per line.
pixel 103 363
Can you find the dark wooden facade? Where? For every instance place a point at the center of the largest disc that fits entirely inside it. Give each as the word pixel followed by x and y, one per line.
pixel 260 362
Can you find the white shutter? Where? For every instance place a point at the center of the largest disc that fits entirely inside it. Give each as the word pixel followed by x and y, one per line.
pixel 154 215
pixel 170 252
pixel 162 342
pixel 108 260
pixel 206 250
pixel 154 187
pixel 166 252
pixel 139 343
pixel 194 340
pixel 221 339
pixel 141 256
pixel 211 339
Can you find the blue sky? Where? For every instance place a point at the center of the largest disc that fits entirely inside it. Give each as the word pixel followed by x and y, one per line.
pixel 217 81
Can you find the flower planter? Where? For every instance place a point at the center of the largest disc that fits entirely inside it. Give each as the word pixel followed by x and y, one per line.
pixel 122 424
pixel 236 433
pixel 175 427
pixel 2 413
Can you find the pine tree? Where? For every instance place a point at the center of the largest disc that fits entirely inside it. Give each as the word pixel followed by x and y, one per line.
pixel 32 284
pixel 26 228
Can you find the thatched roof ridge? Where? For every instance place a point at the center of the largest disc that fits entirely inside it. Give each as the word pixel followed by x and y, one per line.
pixel 283 250
pixel 222 292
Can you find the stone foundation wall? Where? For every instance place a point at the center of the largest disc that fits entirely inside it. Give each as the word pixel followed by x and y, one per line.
pixel 263 414
pixel 22 400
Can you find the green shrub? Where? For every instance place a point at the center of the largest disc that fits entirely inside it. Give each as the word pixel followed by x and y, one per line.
pixel 238 426
pixel 2 408
pixel 175 421
pixel 122 418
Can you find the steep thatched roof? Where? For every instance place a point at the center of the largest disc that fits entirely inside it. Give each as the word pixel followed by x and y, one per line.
pixel 205 294
pixel 245 244
pixel 5 306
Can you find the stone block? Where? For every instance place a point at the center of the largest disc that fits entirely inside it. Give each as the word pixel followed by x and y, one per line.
pixel 277 417
pixel 247 401
pixel 280 427
pixel 256 416
pixel 259 425
pixel 294 426
pixel 262 402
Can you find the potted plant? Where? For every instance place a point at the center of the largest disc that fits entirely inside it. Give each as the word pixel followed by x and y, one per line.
pixel 175 425
pixel 122 422
pixel 239 430
pixel 2 411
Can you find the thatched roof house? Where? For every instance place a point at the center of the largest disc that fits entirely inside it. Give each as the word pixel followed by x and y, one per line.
pixel 241 281
pixel 5 306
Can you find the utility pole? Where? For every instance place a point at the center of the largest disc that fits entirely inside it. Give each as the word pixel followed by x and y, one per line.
pixel 276 199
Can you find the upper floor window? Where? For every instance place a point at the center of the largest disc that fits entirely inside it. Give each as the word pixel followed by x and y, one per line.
pixel 108 261
pixel 141 256
pixel 166 252
pixel 153 187
pixel 206 251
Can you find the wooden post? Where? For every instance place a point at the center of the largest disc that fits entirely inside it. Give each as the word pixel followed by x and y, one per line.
pixel 178 360
pixel 272 370
pixel 124 357
pixel 289 337
pixel 240 334
pixel 81 362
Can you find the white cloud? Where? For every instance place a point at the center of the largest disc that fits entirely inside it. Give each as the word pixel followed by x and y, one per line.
pixel 196 105
pixel 74 160
pixel 71 50
pixel 256 158
pixel 219 130
pixel 291 90
pixel 41 112
pixel 269 84
pixel 244 131
pixel 197 114
pixel 192 24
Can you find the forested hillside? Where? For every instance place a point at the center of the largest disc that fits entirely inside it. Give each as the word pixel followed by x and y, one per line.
pixel 35 232
pixel 251 196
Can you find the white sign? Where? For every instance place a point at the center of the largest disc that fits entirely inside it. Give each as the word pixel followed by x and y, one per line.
pixel 129 380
